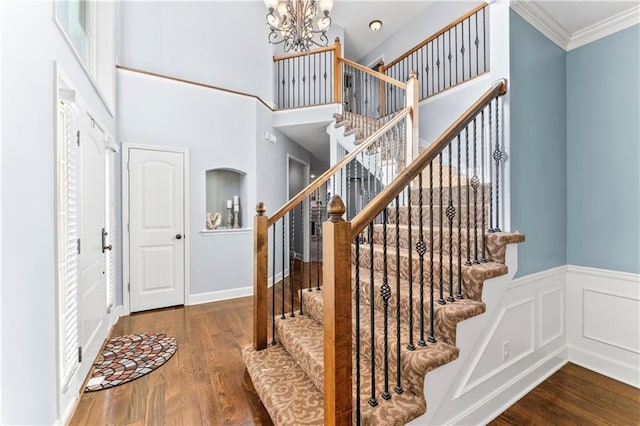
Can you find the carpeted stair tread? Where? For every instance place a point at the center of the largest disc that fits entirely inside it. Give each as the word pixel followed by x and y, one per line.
pixel 403 216
pixel 473 276
pixel 415 364
pixel 398 410
pixel 302 336
pixel 284 389
pixel 446 316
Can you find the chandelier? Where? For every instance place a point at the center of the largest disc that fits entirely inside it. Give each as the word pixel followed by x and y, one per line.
pixel 296 23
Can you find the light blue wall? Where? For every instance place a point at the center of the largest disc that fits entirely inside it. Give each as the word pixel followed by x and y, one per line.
pixel 538 147
pixel 603 153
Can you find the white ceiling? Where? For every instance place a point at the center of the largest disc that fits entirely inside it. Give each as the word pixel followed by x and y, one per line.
pixel 564 18
pixel 354 16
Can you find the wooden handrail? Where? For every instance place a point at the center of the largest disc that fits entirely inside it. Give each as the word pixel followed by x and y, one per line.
pixel 384 198
pixel 344 161
pixel 310 52
pixel 375 74
pixel 436 34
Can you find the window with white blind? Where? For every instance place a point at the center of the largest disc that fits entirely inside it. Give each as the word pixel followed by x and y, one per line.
pixel 67 230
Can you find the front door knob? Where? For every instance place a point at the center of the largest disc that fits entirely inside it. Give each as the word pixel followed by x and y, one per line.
pixel 178 237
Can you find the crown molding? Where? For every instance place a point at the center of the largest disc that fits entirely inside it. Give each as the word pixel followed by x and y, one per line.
pixel 555 32
pixel 615 23
pixel 542 22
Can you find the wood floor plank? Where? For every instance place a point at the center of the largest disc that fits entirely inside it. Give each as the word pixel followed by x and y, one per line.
pixel 206 383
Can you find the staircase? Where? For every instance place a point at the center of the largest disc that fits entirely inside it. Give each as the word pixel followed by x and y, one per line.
pixel 288 376
pixel 411 239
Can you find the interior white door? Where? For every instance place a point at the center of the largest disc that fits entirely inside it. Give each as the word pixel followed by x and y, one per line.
pixel 156 229
pixel 91 260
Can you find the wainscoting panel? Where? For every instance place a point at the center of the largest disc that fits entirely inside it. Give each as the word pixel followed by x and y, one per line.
pixel 521 344
pixel 551 315
pixel 603 321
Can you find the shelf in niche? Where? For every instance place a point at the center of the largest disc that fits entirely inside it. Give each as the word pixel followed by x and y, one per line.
pixel 222 231
pixel 224 184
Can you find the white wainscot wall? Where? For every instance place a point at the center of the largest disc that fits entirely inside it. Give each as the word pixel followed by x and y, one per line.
pixel 506 352
pixel 603 322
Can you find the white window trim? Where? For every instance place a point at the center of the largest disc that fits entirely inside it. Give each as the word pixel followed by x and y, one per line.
pixel 92 79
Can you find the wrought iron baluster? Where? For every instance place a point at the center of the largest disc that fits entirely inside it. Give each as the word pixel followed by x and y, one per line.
pixel 462 49
pixel 451 212
pixel 450 57
pixel 312 230
pixel 421 248
pixel 468 188
pixel 456 51
pixel 410 346
pixel 431 337
pixel 469 45
pixel 301 256
pixel 441 299
pixel 385 292
pixel 484 37
pixel 459 294
pixel 292 260
pixel 372 400
pixel 284 247
pixel 273 287
pixel 490 171
pixel 477 43
pixel 398 387
pixel 497 156
pixel 483 258
pixel 475 182
pixel 357 335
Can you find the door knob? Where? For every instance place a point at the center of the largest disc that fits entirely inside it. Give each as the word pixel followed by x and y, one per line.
pixel 178 237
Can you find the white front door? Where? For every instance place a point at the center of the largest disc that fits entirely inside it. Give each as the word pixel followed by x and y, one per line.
pixel 156 228
pixel 92 308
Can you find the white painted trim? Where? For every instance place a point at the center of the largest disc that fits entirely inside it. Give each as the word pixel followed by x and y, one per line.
pixel 611 25
pixel 554 31
pixel 216 296
pixel 517 396
pixel 618 359
pixel 541 340
pixel 542 22
pixel 533 278
pixel 604 273
pixel 126 146
pixel 465 386
pixel 224 231
pixel 605 365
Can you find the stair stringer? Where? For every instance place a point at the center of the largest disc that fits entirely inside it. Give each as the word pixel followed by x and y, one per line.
pixel 470 337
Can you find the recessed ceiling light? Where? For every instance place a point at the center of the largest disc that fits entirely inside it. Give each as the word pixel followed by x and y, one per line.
pixel 375 25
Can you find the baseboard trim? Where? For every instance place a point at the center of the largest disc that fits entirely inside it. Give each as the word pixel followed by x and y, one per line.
pixel 467 416
pixel 217 296
pixel 607 366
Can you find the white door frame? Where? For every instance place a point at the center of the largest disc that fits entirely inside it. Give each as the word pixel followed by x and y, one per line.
pixel 305 206
pixel 125 219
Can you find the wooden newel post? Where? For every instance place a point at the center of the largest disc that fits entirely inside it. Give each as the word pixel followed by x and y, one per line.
pixel 336 247
pixel 337 72
pixel 412 125
pixel 260 276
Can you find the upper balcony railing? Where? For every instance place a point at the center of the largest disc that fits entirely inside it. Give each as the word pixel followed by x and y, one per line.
pixel 457 53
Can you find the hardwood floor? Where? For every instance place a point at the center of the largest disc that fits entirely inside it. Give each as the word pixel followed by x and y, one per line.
pixel 575 396
pixel 206 383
